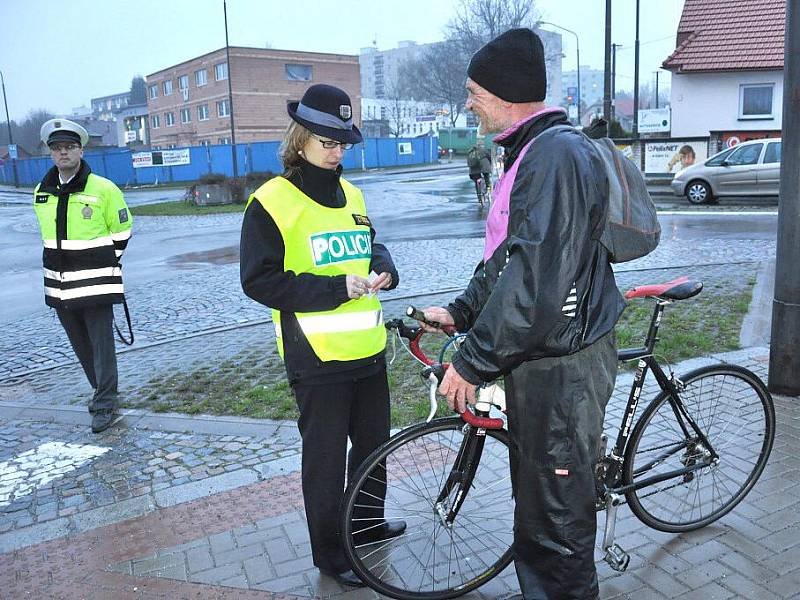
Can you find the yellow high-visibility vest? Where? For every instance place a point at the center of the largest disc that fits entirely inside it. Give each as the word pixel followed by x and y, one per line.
pixel 327 241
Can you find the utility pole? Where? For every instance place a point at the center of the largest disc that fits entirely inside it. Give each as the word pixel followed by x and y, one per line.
pixel 656 72
pixel 607 67
pixel 10 137
pixel 636 78
pixel 784 354
pixel 613 82
pixel 230 89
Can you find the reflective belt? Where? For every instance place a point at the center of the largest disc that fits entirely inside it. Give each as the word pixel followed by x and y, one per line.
pixel 83 274
pixel 337 323
pixel 89 290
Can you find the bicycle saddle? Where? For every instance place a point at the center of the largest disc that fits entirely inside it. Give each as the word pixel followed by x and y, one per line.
pixel 677 289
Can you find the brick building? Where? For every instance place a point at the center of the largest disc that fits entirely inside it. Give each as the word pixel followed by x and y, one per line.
pixel 188 103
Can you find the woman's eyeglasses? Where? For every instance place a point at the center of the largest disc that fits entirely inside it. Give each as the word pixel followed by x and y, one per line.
pixel 331 144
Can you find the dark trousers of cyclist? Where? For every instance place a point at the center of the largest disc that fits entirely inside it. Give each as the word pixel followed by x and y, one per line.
pixel 555 419
pixel 90 331
pixel 329 414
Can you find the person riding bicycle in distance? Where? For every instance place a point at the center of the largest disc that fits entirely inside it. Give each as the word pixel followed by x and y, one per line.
pixel 540 311
pixel 479 161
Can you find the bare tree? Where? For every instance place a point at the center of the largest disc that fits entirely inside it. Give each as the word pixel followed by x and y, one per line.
pixel 437 77
pixel 26 133
pixel 478 21
pixel 396 97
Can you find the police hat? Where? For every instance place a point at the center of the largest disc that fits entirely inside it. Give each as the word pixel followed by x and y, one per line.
pixel 63 130
pixel 326 110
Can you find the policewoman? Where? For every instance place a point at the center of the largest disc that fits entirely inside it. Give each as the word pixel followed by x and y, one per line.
pixel 308 252
pixel 85 228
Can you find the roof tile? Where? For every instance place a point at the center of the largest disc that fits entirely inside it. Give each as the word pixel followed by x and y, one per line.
pixel 725 35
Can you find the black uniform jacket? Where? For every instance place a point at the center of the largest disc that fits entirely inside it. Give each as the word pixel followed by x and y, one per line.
pixel 515 305
pixel 265 280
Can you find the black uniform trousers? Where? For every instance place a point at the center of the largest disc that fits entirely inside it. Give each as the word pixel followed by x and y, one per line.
pixel 359 409
pixel 91 332
pixel 555 419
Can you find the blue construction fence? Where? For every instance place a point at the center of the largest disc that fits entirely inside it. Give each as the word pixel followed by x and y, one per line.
pixel 117 165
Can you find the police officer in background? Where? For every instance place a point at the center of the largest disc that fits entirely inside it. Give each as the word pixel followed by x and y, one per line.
pixel 85 228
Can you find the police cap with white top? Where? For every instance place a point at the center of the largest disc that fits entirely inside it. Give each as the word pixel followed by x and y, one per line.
pixel 63 130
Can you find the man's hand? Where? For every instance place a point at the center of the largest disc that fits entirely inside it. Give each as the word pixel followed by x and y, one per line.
pixel 457 389
pixel 441 316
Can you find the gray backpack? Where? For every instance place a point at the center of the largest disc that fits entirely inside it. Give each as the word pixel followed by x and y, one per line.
pixel 631 228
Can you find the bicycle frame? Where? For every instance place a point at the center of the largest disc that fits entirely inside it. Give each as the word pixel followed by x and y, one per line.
pixel 667 384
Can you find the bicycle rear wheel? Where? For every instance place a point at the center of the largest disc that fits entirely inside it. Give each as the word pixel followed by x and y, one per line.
pixel 431 560
pixel 734 410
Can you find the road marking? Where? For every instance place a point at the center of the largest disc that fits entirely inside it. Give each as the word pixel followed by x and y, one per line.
pixel 35 468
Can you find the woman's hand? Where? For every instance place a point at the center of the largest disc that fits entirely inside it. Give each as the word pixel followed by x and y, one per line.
pixel 356 286
pixel 384 280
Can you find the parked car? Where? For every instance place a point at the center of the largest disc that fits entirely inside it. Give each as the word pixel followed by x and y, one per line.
pixel 751 168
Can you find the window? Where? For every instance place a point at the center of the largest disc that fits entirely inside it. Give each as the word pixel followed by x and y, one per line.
pixel 298 72
pixel 773 153
pixel 183 82
pixel 201 77
pixel 224 140
pixel 155 121
pixel 223 108
pixel 168 87
pixel 717 160
pixel 205 142
pixel 153 92
pixel 221 71
pixel 745 155
pixel 202 112
pixel 169 119
pixel 755 101
pixel 186 115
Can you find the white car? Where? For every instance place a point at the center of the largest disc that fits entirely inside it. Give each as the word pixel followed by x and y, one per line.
pixel 752 168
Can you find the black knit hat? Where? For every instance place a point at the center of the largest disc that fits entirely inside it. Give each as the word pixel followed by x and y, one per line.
pixel 326 110
pixel 511 67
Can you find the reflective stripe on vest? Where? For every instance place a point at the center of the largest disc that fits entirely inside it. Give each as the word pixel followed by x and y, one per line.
pixel 327 242
pixel 337 323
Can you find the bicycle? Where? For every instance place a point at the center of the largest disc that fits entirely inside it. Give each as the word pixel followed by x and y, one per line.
pixel 190 195
pixel 694 453
pixel 482 188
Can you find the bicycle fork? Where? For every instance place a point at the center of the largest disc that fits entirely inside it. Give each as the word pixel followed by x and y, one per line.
pixel 461 475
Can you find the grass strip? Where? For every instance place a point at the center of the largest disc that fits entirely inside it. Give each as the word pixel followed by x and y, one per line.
pixel 250 386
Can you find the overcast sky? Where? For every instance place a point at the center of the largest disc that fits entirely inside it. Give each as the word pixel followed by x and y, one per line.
pixel 57 55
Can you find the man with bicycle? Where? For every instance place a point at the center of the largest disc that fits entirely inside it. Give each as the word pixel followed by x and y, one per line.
pixel 479 161
pixel 540 311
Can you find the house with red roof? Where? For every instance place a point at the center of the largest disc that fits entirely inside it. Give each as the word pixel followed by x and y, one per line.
pixel 727 70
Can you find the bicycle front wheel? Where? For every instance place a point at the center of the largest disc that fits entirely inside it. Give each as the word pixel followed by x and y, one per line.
pixel 734 410
pixel 433 558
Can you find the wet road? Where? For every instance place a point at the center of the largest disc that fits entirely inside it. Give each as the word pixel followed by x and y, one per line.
pixel 403 206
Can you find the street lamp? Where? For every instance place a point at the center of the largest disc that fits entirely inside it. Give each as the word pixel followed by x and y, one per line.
pixel 8 124
pixel 577 58
pixel 230 90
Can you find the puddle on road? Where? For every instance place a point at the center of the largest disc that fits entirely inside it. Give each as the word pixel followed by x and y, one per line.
pixel 218 256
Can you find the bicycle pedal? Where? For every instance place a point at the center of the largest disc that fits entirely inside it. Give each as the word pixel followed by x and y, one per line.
pixel 617 558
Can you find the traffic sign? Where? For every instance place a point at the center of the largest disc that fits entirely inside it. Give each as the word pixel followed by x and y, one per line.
pixel 12 151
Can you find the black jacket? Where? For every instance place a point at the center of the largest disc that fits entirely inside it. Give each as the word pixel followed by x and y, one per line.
pixel 264 280
pixel 514 305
